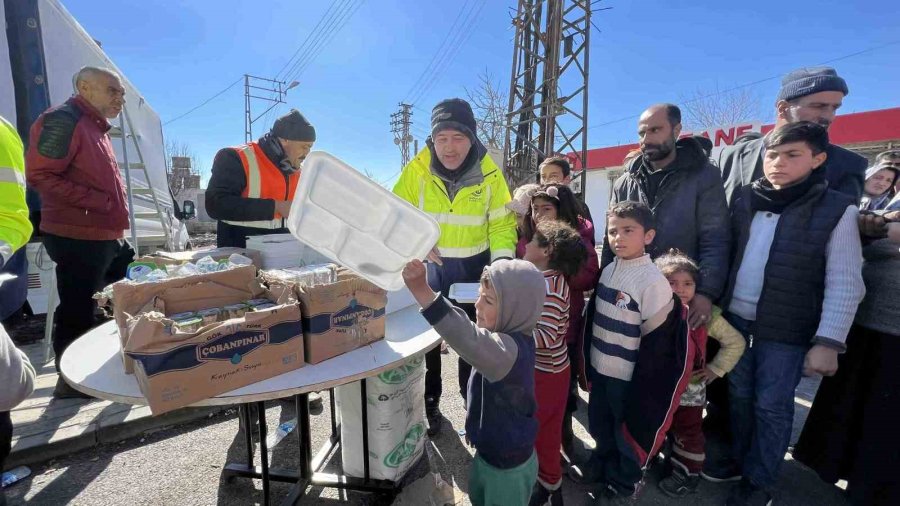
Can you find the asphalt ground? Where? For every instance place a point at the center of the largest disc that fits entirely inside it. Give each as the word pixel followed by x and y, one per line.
pixel 183 466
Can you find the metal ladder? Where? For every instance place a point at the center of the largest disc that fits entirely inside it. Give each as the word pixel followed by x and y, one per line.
pixel 120 132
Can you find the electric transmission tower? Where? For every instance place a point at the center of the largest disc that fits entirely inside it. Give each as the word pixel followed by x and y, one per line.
pixel 548 99
pixel 400 123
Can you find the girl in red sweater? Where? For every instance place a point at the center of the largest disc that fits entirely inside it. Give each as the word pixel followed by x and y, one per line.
pixel 557 202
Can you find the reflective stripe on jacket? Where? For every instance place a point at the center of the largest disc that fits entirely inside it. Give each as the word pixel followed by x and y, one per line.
pixel 264 181
pixel 15 229
pixel 477 219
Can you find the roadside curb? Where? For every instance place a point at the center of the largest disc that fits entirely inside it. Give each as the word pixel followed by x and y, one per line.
pixel 104 433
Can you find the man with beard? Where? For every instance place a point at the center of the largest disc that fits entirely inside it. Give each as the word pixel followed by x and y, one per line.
pixel 676 180
pixel 807 94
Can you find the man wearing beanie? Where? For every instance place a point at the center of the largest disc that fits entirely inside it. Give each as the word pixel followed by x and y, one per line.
pixel 807 94
pixel 455 181
pixel 252 185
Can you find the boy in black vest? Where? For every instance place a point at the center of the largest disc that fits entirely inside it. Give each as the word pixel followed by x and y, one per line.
pixel 794 286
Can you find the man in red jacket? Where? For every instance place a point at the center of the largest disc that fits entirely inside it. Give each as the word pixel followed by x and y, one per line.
pixel 84 214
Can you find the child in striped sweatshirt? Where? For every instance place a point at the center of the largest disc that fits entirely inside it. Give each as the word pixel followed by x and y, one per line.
pixel 633 301
pixel 555 249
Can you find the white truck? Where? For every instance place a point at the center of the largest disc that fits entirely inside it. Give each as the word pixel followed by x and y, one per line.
pixel 41 49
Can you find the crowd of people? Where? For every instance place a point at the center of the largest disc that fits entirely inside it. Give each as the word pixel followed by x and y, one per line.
pixel 719 285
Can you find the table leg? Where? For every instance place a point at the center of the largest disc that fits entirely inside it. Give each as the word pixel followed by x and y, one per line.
pixel 304 435
pixel 334 426
pixel 309 470
pixel 247 422
pixel 304 438
pixel 263 451
pixel 365 428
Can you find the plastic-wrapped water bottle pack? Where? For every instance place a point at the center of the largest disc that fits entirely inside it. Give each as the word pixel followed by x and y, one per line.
pixel 148 272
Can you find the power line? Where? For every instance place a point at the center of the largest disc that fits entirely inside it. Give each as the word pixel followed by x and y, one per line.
pixel 753 83
pixel 440 48
pixel 208 100
pixel 388 180
pixel 322 32
pixel 274 113
pixel 452 50
pixel 420 130
pixel 307 39
pixel 304 49
pixel 333 29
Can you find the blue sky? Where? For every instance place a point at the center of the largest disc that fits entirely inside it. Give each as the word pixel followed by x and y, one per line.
pixel 180 52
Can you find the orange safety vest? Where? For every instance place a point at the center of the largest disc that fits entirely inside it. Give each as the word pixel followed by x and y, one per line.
pixel 264 181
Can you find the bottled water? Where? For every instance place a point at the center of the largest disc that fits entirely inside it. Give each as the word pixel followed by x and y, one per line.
pixel 207 264
pixel 14 475
pixel 281 432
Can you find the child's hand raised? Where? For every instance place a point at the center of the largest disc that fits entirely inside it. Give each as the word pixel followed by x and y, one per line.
pixel 414 274
pixel 416 279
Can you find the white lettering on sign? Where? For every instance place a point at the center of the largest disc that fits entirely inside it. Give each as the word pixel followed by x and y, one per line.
pixel 726 135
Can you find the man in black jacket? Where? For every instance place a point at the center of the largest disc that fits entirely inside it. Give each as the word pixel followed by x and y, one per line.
pixel 807 94
pixel 684 190
pixel 252 186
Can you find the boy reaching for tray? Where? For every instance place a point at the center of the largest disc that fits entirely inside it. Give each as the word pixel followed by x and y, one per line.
pixel 500 411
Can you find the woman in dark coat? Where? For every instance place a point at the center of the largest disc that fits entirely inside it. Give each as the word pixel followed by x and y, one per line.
pixel 851 431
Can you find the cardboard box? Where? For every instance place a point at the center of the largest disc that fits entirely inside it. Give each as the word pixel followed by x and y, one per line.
pixel 131 299
pixel 341 317
pixel 163 258
pixel 175 369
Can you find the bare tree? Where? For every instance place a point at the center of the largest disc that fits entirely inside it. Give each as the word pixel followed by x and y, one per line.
pixel 707 109
pixel 176 149
pixel 489 104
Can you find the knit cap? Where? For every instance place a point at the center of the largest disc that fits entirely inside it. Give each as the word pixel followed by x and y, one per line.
pixel 808 80
pixel 293 126
pixel 453 114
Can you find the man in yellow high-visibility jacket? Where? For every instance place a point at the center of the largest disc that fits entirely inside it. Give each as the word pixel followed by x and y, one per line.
pixel 455 181
pixel 16 372
pixel 15 228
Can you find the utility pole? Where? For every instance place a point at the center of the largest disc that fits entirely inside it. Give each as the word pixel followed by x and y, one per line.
pixel 400 123
pixel 277 91
pixel 548 99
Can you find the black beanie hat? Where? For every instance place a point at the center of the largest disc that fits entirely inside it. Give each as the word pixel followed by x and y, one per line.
pixel 808 80
pixel 453 114
pixel 294 127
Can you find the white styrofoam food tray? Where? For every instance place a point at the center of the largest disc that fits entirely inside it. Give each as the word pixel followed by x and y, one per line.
pixel 355 222
pixel 465 293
